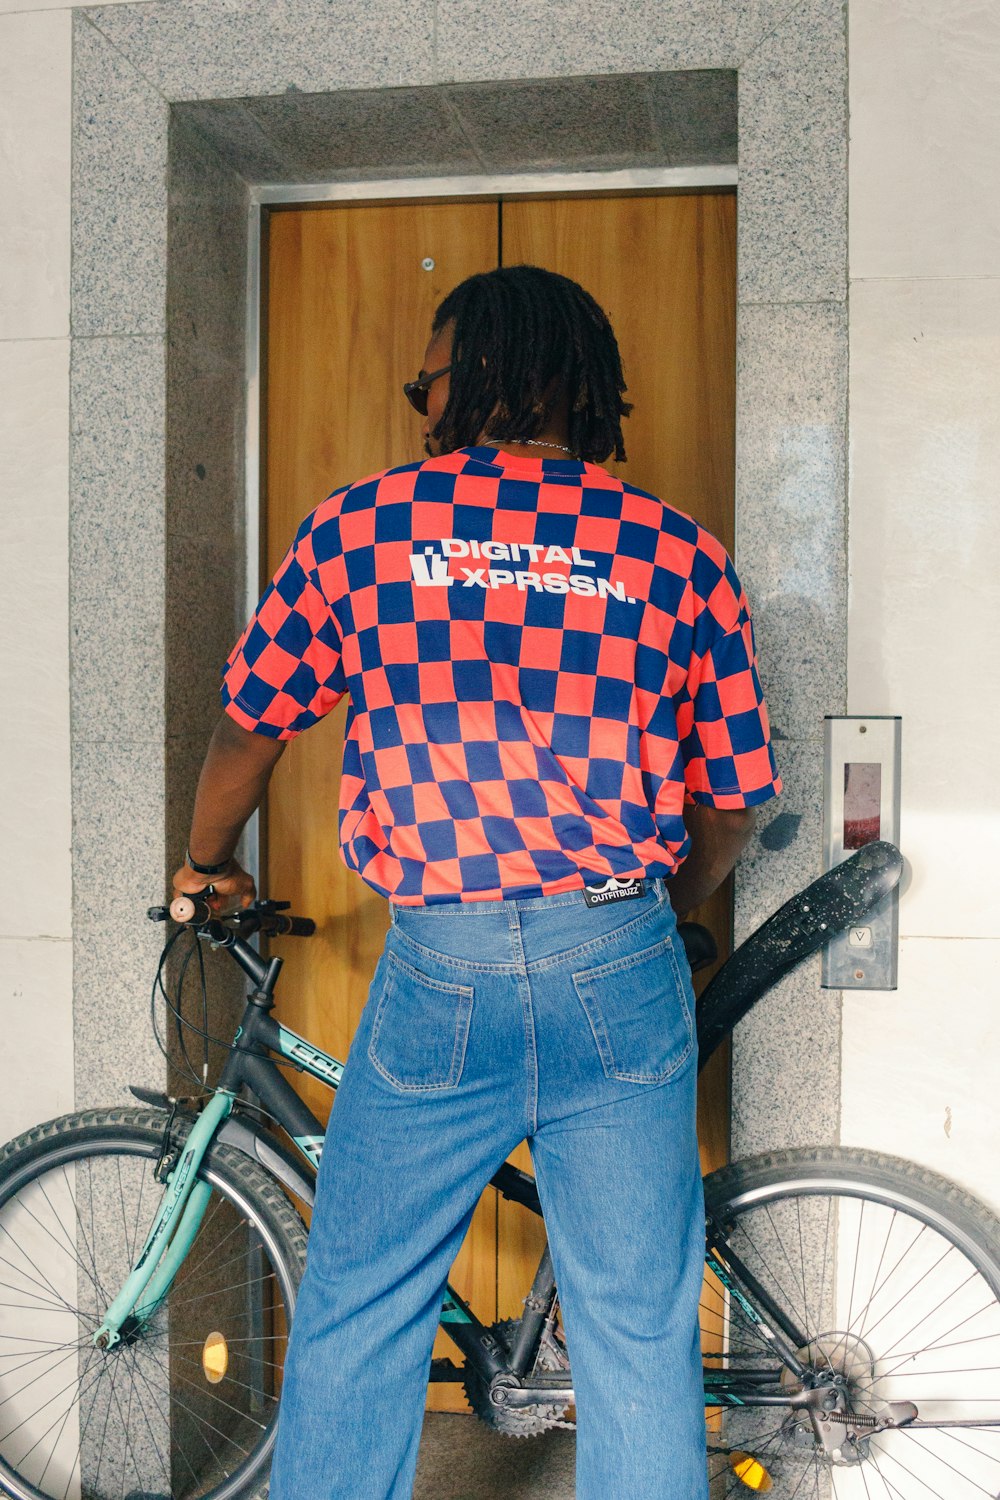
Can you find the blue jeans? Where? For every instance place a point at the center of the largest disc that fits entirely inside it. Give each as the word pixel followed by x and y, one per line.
pixel 486 1023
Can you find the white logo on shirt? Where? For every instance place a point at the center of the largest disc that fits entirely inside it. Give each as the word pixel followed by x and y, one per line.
pixel 430 569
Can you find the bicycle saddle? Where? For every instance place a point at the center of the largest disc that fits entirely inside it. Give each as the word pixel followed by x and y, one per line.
pixel 801 927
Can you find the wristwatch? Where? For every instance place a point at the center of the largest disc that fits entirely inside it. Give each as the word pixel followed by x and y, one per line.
pixel 206 869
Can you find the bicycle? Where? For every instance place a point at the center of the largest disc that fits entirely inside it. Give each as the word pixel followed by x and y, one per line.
pixel 151 1255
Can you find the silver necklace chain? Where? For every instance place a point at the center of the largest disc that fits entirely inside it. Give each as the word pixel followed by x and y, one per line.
pixel 537 443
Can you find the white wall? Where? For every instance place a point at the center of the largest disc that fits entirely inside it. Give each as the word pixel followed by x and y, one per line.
pixel 35 953
pixel 924 629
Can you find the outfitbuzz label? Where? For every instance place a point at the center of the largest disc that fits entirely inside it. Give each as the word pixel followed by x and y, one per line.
pixel 613 889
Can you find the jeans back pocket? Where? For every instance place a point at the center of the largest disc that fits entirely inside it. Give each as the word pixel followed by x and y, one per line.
pixel 638 1010
pixel 420 1029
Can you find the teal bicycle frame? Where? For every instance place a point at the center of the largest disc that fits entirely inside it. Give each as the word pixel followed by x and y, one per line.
pixel 186 1197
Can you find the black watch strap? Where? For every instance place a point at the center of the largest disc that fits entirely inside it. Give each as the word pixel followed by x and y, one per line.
pixel 206 869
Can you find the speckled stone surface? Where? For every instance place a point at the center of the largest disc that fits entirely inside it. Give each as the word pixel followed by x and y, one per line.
pixel 204 440
pixel 793 160
pixel 695 115
pixel 791 476
pixel 116 538
pixel 119 229
pixel 206 278
pixel 202 626
pixel 786 851
pixel 206 308
pixel 791 554
pixel 544 38
pixel 203 559
pixel 589 122
pixel 118 872
pixel 786 1073
pixel 116 641
pixel 641 119
pixel 229 129
pixel 374 132
pixel 753 20
pixel 192 50
pixel 117 388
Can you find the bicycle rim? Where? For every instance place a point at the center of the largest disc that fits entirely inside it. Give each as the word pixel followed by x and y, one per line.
pixel 896 1296
pixel 183 1407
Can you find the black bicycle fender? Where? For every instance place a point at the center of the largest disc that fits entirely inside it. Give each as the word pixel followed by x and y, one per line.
pixel 256 1141
pixel 801 927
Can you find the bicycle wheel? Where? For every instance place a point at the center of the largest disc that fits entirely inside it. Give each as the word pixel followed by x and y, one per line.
pixel 185 1405
pixel 892 1275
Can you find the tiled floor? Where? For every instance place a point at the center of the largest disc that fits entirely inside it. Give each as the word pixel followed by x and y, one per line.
pixel 461 1459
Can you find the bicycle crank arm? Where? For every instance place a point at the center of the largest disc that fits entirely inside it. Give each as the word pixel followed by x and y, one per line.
pixel 539 1392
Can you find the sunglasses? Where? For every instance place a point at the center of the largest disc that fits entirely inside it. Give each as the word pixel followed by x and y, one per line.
pixel 416 391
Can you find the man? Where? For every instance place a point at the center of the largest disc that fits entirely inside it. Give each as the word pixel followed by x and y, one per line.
pixel 555 740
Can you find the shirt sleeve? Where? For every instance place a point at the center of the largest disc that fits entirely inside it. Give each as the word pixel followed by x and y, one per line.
pixel 726 739
pixel 285 671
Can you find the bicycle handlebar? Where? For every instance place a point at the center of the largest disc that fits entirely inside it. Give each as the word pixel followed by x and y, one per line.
pixel 194 911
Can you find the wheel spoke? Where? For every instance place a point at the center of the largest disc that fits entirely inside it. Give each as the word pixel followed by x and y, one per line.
pixel 19 1272
pixel 92 1273
pixel 880 1289
pixel 936 1493
pixel 158 1404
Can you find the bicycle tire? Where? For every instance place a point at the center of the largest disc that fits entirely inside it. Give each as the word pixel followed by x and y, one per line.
pixel 868 1252
pixel 152 1417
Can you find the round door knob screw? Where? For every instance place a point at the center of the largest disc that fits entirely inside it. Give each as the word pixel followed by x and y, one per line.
pixel 427 263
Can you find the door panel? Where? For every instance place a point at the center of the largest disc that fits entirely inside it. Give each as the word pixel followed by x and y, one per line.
pixel 349 313
pixel 664 270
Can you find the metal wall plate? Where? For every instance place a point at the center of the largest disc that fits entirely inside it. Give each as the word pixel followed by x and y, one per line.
pixel 861 804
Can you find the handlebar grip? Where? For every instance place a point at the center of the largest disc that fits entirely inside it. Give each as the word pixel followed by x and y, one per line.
pixel 292 926
pixel 190 909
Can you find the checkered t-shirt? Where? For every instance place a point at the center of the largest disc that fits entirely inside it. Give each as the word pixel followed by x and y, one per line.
pixel 544 664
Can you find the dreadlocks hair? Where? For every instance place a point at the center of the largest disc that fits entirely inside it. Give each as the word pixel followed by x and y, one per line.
pixel 525 340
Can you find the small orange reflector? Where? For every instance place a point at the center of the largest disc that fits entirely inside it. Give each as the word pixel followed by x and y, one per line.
pixel 215 1359
pixel 750 1471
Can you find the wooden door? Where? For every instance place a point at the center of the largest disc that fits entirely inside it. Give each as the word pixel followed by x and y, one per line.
pixel 664 270
pixel 349 312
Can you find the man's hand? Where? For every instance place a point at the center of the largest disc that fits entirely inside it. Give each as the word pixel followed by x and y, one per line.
pixel 718 838
pixel 236 886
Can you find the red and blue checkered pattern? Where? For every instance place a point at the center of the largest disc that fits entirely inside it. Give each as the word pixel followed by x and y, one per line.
pixel 543 665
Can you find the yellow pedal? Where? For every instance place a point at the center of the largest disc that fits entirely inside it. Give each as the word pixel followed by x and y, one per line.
pixel 215 1359
pixel 750 1471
